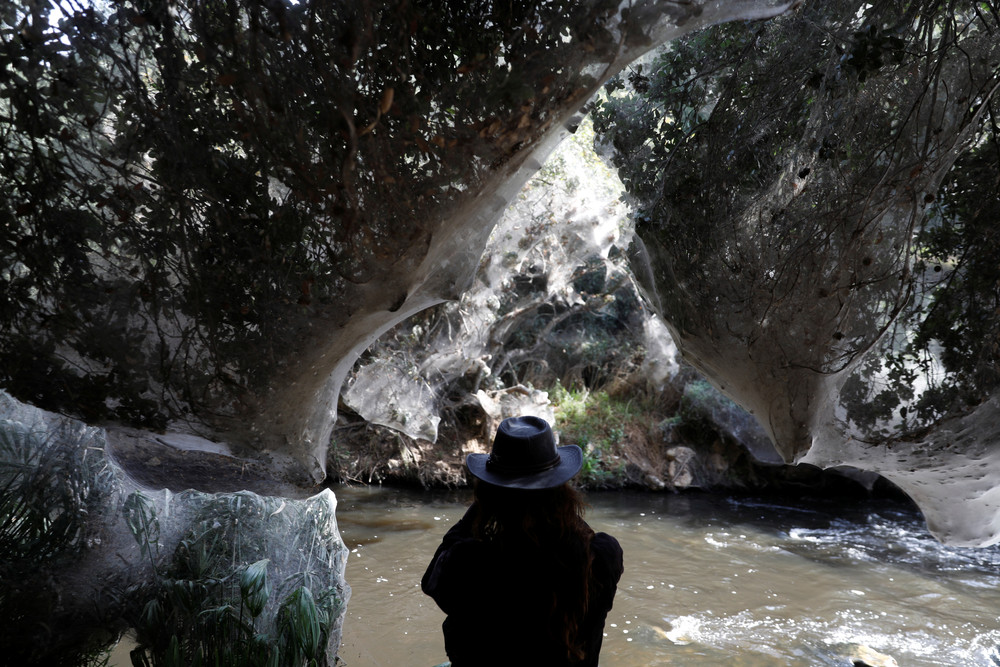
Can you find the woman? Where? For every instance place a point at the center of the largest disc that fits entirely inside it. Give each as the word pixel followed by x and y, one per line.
pixel 522 577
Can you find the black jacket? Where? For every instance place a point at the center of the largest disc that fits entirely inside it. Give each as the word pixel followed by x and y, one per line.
pixel 497 599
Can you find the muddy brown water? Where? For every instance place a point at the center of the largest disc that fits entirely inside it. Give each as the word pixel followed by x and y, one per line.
pixel 709 580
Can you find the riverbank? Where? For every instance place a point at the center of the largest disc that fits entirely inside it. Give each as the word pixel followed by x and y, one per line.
pixel 640 452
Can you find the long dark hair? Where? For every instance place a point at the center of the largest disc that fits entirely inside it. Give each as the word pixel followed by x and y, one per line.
pixel 551 519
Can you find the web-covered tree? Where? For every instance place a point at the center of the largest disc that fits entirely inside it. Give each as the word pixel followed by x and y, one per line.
pixel 796 194
pixel 208 209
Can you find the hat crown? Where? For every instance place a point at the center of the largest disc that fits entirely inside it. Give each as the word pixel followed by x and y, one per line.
pixel 523 445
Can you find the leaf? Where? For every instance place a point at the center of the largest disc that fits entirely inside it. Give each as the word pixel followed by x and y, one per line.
pixel 173 656
pixel 299 623
pixel 140 517
pixel 138 657
pixel 386 103
pixel 253 587
pixel 152 616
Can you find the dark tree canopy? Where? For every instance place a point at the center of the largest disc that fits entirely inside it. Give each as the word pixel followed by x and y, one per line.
pixel 208 209
pixel 227 173
pixel 817 197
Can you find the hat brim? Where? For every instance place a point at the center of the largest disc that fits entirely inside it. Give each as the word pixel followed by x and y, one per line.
pixel 570 462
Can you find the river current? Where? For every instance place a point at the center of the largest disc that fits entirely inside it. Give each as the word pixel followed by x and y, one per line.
pixel 709 580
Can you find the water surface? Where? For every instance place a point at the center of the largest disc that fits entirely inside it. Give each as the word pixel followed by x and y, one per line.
pixel 708 580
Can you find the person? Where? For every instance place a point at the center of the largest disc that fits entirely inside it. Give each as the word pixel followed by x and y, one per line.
pixel 522 578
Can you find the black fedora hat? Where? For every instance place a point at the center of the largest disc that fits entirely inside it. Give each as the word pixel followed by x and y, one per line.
pixel 525 456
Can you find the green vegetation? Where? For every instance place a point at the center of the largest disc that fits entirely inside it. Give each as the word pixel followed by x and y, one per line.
pixel 616 428
pixel 214 602
pixel 47 488
pixel 599 422
pixel 217 579
pixel 53 488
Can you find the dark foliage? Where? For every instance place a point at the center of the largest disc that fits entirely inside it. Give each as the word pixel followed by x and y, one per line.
pixel 190 188
pixel 795 190
pixel 55 488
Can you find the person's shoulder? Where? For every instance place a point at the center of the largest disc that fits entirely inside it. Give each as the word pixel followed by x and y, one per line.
pixel 607 548
pixel 609 563
pixel 605 541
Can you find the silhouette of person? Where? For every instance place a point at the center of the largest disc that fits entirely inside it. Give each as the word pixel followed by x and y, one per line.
pixel 522 577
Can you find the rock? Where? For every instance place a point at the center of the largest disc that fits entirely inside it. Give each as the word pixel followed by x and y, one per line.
pixel 865 656
pixel 679 467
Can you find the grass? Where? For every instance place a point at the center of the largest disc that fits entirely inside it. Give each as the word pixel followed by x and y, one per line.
pixel 599 423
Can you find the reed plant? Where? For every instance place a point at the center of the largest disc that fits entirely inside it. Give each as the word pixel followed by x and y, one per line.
pixel 214 602
pixel 50 492
pixel 55 488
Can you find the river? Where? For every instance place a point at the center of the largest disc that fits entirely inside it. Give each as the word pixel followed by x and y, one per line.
pixel 709 580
